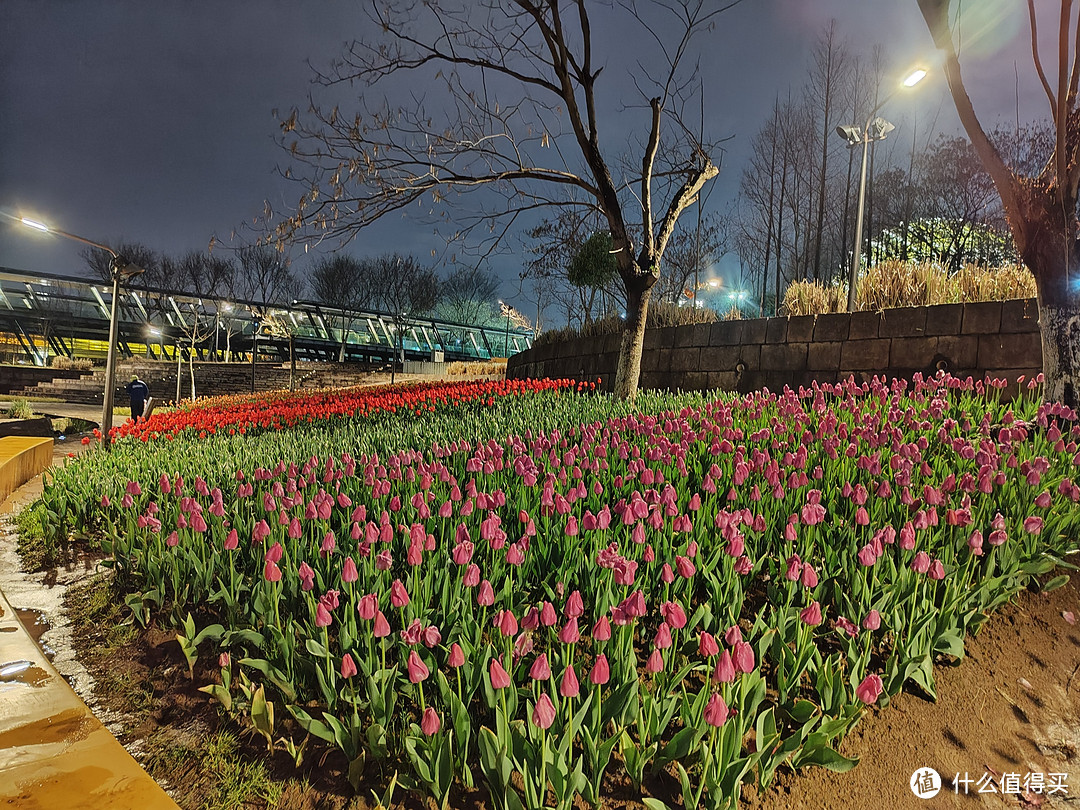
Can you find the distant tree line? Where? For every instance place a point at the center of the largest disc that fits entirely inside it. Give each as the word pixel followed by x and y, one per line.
pixel 929 198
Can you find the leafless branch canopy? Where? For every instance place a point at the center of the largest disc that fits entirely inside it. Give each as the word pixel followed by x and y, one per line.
pixel 504 95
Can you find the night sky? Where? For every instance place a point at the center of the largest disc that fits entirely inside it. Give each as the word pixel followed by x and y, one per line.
pixel 153 122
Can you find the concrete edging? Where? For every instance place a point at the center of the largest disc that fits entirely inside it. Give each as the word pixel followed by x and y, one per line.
pixel 21 458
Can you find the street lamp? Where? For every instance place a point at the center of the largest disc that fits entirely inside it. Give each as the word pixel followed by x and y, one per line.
pixel 506 335
pixel 121 270
pixel 254 348
pixel 875 130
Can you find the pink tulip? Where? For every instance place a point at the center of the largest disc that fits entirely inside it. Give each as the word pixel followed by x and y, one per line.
pixel 725 669
pixel 794 568
pixel 368 605
pixel 602 629
pixel 399 597
pixel 1033 525
pixel 418 670
pixel 921 563
pixel 569 633
pixel 431 636
pixel 872 620
pixel 601 672
pixel 975 543
pixel 673 614
pixel 685 568
pixel 548 617
pixel 663 637
pixel 846 626
pixel 568 687
pixel 543 714
pixel 506 622
pixel 742 655
pixel 655 662
pixel 273 554
pixel 707 646
pixel 271 572
pixel 574 606
pixel 870 689
pixel 381 629
pixel 811 614
pixel 457 656
pixel 471 577
pixel 485 596
pixel 716 711
pixel 307 577
pixel 937 570
pixel 866 556
pixel 348 666
pixel 430 723
pixel 540 670
pixel 733 635
pixel 499 678
pixel 232 540
pixel 667 575
pixel 809 577
pixel 322 616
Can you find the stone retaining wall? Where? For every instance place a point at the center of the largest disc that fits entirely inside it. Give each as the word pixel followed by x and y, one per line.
pixel 997 338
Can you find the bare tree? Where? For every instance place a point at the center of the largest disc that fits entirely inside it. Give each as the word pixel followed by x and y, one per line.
pixel 690 252
pixel 340 281
pixel 468 296
pixel 513 75
pixel 265 278
pixel 405 289
pixel 1041 208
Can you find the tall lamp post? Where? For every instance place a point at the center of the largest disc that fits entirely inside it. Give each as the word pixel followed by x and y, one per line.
pixel 254 348
pixel 121 270
pixel 875 130
pixel 506 333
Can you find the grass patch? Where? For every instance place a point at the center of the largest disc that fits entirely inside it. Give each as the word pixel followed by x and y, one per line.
pixel 99 618
pixel 210 770
pixel 36 550
pixel 20 409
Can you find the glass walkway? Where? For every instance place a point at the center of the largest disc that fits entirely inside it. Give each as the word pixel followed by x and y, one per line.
pixel 42 316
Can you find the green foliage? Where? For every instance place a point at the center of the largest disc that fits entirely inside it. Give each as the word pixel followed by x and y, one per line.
pixel 594 264
pixel 20 409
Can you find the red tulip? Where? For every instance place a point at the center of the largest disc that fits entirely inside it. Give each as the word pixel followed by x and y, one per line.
pixel 811 614
pixel 540 671
pixel 707 646
pixel 725 669
pixel 457 656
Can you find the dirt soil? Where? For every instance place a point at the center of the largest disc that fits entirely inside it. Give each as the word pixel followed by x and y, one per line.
pixel 1011 706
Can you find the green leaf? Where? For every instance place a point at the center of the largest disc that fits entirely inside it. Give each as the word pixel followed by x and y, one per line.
pixel 949 644
pixel 1055 583
pixel 826 757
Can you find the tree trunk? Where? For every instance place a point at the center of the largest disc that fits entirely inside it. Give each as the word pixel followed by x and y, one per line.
pixel 1060 328
pixel 633 339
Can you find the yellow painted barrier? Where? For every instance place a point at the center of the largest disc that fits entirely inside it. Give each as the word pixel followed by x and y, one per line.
pixel 21 458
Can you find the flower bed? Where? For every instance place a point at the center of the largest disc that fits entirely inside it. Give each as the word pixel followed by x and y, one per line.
pixel 710 590
pixel 279 410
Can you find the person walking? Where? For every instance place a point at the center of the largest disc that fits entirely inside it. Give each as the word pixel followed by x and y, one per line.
pixel 139 393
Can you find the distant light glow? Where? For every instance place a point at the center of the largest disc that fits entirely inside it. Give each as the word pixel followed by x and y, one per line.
pixel 13 668
pixel 915 77
pixel 34 224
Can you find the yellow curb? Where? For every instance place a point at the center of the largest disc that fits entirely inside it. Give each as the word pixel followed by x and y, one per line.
pixel 21 458
pixel 53 751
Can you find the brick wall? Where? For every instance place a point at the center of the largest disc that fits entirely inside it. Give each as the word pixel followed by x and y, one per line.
pixel 997 338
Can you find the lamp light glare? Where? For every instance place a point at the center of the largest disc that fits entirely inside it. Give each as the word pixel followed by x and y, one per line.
pixel 915 77
pixel 34 224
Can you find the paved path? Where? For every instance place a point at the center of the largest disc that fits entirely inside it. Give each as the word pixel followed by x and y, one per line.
pixel 53 752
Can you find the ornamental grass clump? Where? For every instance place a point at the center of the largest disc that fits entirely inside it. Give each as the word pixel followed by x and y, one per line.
pixel 711 588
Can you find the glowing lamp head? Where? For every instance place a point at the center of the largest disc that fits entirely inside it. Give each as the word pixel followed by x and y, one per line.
pixel 915 77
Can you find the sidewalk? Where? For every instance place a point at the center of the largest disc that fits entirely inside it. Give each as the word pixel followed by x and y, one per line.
pixel 53 752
